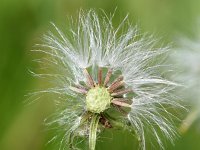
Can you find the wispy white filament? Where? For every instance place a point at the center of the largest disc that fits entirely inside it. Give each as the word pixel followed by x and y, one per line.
pixel 94 42
pixel 187 58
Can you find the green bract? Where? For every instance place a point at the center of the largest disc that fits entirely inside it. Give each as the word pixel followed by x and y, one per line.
pixel 98 99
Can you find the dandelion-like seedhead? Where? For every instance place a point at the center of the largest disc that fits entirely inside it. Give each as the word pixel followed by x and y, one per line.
pixel 187 58
pixel 102 70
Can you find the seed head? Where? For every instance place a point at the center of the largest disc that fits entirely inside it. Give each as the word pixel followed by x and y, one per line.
pixel 101 68
pixel 187 58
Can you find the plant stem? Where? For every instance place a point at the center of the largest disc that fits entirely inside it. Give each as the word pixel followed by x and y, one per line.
pixel 188 121
pixel 93 131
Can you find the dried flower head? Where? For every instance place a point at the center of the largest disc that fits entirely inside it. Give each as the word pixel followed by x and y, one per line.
pixel 187 58
pixel 108 78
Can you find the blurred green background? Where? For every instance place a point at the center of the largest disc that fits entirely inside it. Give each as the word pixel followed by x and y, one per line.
pixel 22 22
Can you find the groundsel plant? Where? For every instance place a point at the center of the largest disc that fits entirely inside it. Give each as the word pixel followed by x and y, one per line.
pixel 187 58
pixel 107 78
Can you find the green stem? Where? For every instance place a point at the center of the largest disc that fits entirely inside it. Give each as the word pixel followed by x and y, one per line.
pixel 186 124
pixel 93 131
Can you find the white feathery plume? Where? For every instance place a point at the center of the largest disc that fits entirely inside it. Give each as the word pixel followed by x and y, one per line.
pixel 93 44
pixel 187 58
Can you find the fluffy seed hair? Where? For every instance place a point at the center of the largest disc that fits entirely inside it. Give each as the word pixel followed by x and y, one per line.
pixel 94 42
pixel 187 59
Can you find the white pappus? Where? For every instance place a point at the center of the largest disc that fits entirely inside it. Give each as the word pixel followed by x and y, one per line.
pixel 187 58
pixel 101 71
